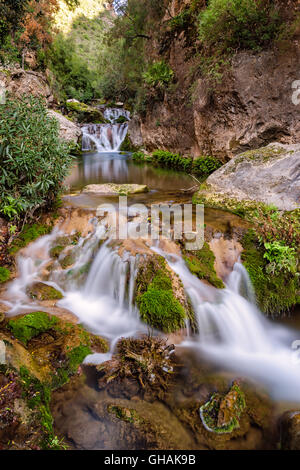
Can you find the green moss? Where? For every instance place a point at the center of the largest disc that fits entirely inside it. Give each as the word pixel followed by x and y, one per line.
pixel 261 155
pixel 31 325
pixel 125 414
pixel 68 260
pixel 201 264
pixel 275 293
pixel 127 145
pixel 41 291
pixel 85 113
pixel 76 357
pixel 29 234
pixel 221 414
pixel 155 298
pixel 4 274
pixel 56 251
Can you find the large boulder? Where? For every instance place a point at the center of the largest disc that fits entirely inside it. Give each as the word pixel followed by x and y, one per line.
pixel 69 131
pixel 19 82
pixel 270 175
pixel 83 113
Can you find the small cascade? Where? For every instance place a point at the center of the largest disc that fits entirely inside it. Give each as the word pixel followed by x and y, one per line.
pixel 103 137
pixel 106 137
pixel 233 332
pixel 113 114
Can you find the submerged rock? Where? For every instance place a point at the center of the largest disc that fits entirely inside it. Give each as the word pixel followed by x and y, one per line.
pixel 41 291
pixel 221 414
pixel 268 175
pixel 111 189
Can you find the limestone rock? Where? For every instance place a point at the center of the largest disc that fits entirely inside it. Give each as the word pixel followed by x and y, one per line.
pixel 270 175
pixel 69 131
pixel 20 82
pixel 41 291
pixel 111 189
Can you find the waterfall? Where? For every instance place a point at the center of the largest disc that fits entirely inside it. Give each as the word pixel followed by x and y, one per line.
pixel 106 137
pixel 103 137
pixel 234 333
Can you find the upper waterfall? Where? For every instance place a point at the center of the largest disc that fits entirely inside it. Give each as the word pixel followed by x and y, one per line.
pixel 106 137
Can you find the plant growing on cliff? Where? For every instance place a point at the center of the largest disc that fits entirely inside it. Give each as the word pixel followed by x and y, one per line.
pixel 158 74
pixel 281 258
pixel 34 161
pixel 228 25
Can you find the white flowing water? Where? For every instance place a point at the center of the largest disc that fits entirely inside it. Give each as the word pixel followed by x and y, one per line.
pixel 235 334
pixel 103 137
pixel 232 332
pixel 106 137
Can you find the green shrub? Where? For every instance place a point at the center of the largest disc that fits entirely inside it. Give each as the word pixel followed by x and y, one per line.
pixel 158 74
pixel 204 166
pixel 34 161
pixel 31 325
pixel 229 25
pixel 4 274
pixel 172 160
pixel 282 258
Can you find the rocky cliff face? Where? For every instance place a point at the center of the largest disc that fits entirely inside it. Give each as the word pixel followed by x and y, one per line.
pixel 250 108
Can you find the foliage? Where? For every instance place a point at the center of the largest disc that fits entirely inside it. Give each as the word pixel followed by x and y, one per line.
pixel 34 161
pixel 158 74
pixel 37 22
pixel 228 25
pixel 204 166
pixel 172 160
pixel 281 258
pixel 29 326
pixel 4 274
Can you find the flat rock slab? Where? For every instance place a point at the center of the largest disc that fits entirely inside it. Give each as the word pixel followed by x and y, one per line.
pixel 270 175
pixel 111 189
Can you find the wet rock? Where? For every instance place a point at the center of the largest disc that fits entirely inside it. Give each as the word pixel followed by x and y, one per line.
pixel 222 414
pixel 111 189
pixel 290 430
pixel 84 113
pixel 40 291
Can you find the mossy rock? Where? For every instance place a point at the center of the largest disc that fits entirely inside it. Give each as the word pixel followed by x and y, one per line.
pixel 201 264
pixel 127 145
pixel 29 234
pixel 56 251
pixel 4 275
pixel 85 113
pixel 155 296
pixel 275 293
pixel 41 291
pixel 24 328
pixel 68 260
pixel 221 414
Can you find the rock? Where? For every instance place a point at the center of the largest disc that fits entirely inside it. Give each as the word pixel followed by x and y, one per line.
pixel 2 317
pixel 221 415
pixel 69 131
pixel 41 291
pixel 134 132
pixel 111 189
pixel 290 430
pixel 269 175
pixel 20 82
pixel 84 113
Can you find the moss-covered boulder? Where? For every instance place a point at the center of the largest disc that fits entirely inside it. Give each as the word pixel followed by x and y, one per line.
pixel 201 263
pixel 276 292
pixel 82 112
pixel 127 145
pixel 160 296
pixel 112 189
pixel 40 291
pixel 221 414
pixel 42 353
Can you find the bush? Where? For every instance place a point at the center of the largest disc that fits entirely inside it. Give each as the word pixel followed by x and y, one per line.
pixel 229 25
pixel 204 166
pixel 172 160
pixel 34 161
pixel 158 74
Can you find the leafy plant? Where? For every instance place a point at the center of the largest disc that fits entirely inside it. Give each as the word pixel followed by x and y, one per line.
pixel 158 74
pixel 228 25
pixel 34 161
pixel 281 258
pixel 204 166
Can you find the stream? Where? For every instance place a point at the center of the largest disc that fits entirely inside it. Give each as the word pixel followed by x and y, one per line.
pixel 234 336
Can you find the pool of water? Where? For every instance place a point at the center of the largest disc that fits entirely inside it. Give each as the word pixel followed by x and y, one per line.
pixel 100 168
